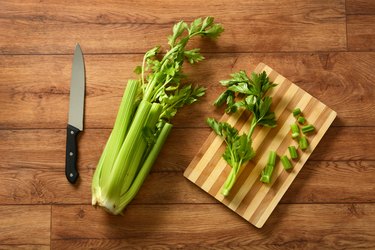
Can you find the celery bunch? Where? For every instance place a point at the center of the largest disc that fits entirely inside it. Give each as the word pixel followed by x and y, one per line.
pixel 143 120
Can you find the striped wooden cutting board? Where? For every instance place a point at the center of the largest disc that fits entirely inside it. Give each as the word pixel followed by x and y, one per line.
pixel 250 198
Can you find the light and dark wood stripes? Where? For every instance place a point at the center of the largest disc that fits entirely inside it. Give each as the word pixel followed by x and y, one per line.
pixel 250 198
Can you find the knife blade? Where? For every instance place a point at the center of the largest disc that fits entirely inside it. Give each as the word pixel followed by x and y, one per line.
pixel 76 112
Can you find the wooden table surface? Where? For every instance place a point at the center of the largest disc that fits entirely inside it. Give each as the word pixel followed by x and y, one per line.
pixel 325 47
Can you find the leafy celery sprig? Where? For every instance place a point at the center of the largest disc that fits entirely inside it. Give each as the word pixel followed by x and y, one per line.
pixel 248 93
pixel 161 79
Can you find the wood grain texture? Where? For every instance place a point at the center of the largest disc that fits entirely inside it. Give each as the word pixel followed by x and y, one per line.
pixel 361 32
pixel 360 7
pixel 39 89
pixel 318 182
pixel 33 167
pixel 44 149
pixel 25 225
pixel 24 247
pixel 345 226
pixel 306 41
pixel 126 27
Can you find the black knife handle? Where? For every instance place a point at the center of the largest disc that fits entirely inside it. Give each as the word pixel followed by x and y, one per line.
pixel 71 154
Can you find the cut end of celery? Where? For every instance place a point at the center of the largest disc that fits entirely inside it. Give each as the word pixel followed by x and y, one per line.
pixel 295 135
pixel 265 179
pixel 98 199
pixel 225 192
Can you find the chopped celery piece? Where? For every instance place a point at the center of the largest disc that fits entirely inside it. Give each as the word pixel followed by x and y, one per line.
pixel 286 163
pixel 293 152
pixel 272 158
pixel 297 111
pixel 308 128
pixel 301 120
pixel 303 143
pixel 295 130
pixel 268 170
pixel 267 174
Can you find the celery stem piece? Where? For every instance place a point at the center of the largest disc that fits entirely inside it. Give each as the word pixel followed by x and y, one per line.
pixel 267 173
pixel 308 128
pixel 231 179
pixel 268 170
pixel 293 152
pixel 272 158
pixel 297 111
pixel 301 120
pixel 295 130
pixel 303 143
pixel 286 163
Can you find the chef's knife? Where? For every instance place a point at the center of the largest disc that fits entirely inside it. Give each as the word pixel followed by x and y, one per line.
pixel 76 108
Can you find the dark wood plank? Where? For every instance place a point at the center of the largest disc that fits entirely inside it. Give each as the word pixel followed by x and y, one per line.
pixel 34 90
pixel 339 144
pixel 45 149
pixel 318 182
pixel 360 7
pixel 24 247
pixel 116 27
pixel 25 225
pixel 361 32
pixel 133 244
pixel 33 168
pixel 196 226
pixel 331 182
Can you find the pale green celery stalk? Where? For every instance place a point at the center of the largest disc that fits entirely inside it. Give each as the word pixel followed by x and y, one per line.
pixel 231 179
pixel 135 153
pixel 96 178
pixel 252 127
pixel 112 186
pixel 141 147
pixel 120 129
pixel 145 169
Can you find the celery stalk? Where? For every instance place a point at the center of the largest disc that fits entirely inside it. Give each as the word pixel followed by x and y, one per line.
pixel 112 186
pixel 229 182
pixel 120 129
pixel 145 169
pixel 143 120
pixel 151 121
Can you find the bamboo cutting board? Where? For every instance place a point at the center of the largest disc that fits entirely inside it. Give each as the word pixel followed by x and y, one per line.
pixel 250 198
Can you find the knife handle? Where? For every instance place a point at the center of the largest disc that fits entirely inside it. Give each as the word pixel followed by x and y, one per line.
pixel 71 154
